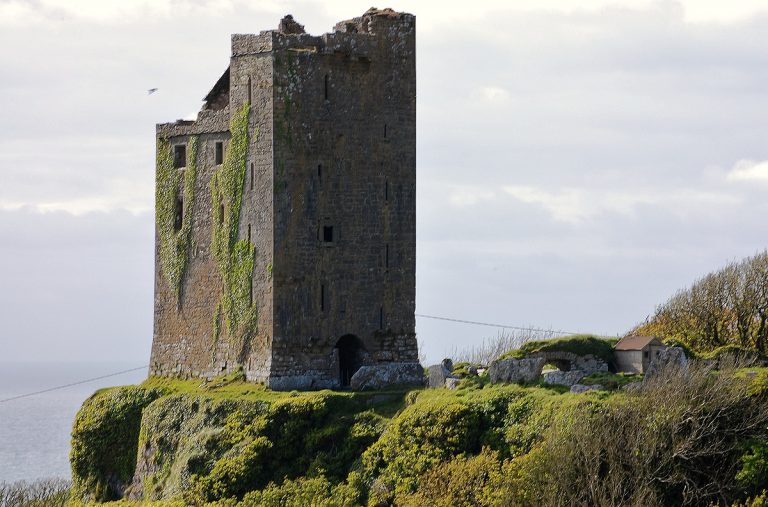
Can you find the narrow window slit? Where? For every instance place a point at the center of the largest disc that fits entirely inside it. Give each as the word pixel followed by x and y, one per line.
pixel 219 152
pixel 322 297
pixel 326 87
pixel 328 234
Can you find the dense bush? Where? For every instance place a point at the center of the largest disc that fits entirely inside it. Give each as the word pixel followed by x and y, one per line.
pixel 729 306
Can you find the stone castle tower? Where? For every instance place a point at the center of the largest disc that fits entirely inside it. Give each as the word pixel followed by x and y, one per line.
pixel 286 213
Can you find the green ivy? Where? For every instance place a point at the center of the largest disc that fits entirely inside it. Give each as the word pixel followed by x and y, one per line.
pixel 174 244
pixel 234 258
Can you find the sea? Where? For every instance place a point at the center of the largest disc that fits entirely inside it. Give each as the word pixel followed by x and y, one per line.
pixel 35 430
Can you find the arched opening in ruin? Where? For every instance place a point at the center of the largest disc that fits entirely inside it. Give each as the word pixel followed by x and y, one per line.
pixel 350 353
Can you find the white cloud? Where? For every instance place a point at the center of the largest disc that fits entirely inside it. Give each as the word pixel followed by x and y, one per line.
pixel 491 94
pixel 577 205
pixel 469 196
pixel 748 170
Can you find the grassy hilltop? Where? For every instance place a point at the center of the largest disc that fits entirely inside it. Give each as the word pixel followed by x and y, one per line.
pixel 697 440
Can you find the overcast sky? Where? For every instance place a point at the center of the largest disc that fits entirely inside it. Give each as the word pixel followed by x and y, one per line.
pixel 575 166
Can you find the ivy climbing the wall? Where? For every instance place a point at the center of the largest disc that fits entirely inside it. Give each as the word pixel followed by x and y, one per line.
pixel 174 239
pixel 234 257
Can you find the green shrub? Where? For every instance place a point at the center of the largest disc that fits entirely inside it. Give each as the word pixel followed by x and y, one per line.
pixel 754 470
pixel 760 500
pixel 464 480
pixel 733 353
pixel 611 381
pixel 302 492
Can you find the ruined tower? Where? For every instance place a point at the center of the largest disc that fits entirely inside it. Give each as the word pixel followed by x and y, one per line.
pixel 286 212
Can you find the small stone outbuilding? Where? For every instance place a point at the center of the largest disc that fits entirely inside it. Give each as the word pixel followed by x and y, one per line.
pixel 633 354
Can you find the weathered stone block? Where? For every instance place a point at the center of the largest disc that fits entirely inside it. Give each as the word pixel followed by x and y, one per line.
pixel 380 376
pixel 438 373
pixel 516 370
pixel 672 357
pixel 563 378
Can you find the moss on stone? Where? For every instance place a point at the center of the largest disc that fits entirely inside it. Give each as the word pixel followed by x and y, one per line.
pixel 104 441
pixel 581 345
pixel 174 242
pixel 234 258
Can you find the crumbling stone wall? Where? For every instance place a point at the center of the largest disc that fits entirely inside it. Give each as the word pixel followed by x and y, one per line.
pixel 332 143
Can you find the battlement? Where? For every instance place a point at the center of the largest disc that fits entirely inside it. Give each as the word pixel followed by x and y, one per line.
pixel 354 36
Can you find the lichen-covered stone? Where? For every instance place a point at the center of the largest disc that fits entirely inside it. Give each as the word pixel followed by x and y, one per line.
pixel 438 373
pixel 526 370
pixel 671 357
pixel 385 375
pixel 563 378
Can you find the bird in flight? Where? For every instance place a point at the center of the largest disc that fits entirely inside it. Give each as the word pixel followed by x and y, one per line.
pixel 151 91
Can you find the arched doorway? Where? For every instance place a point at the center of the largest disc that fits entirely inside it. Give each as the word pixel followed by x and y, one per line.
pixel 351 353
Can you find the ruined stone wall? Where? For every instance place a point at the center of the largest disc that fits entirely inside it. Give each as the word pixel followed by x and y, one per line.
pixel 185 342
pixel 345 157
pixel 183 332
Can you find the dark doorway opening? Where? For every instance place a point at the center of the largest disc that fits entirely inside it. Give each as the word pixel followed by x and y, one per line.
pixel 351 352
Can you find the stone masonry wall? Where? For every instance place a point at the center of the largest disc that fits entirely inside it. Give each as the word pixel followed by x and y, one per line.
pixel 345 157
pixel 332 143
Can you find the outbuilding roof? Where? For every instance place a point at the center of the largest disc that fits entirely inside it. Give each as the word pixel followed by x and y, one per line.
pixel 635 342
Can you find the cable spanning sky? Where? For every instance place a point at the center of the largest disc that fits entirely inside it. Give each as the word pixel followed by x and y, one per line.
pixel 575 166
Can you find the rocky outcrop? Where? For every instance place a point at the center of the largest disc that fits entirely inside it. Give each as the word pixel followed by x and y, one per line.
pixel 439 373
pixel 672 357
pixel 452 383
pixel 385 375
pixel 563 378
pixel 516 370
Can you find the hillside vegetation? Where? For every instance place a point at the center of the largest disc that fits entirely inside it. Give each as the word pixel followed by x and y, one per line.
pixel 230 443
pixel 727 307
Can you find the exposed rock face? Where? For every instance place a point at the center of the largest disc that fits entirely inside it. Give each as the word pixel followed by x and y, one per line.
pixel 516 370
pixel 581 388
pixel 567 361
pixel 438 373
pixel 452 383
pixel 672 357
pixel 384 375
pixel 563 378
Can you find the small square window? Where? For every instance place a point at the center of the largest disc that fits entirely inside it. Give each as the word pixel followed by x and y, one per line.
pixel 180 156
pixel 328 234
pixel 219 152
